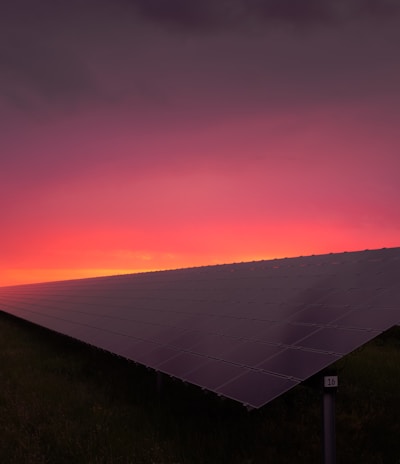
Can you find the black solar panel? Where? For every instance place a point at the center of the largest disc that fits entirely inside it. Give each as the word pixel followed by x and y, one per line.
pixel 247 331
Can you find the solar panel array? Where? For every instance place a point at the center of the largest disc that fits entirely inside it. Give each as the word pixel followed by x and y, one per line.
pixel 247 331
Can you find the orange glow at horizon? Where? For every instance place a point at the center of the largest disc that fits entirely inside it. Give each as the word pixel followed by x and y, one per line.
pixel 80 261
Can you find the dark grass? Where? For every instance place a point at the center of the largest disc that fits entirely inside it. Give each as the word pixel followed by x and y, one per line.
pixel 64 402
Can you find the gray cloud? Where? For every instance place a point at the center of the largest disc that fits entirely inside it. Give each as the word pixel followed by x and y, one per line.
pixel 179 12
pixel 34 73
pixel 66 54
pixel 212 15
pixel 46 52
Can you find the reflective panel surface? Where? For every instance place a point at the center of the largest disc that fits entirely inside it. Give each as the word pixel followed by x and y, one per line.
pixel 248 331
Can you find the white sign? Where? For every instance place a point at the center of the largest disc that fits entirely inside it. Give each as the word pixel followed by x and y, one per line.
pixel 331 381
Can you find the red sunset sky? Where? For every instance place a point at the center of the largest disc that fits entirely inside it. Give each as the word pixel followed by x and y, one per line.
pixel 149 134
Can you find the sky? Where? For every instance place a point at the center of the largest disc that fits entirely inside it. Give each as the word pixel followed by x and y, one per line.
pixel 141 135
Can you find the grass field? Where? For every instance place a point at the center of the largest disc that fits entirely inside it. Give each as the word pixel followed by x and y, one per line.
pixel 64 402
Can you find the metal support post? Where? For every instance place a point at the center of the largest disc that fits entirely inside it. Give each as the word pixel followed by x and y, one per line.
pixel 328 410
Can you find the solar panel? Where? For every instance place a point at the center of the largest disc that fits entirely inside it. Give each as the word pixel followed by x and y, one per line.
pixel 247 331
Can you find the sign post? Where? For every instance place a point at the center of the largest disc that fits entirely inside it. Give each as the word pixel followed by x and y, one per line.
pixel 328 410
